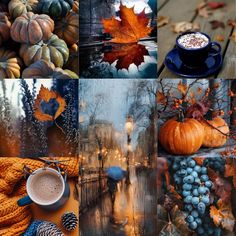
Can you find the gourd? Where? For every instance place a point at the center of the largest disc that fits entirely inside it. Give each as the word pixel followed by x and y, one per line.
pixel 32 28
pixel 44 69
pixel 75 6
pixel 5 26
pixel 73 61
pixel 18 7
pixel 55 8
pixel 10 64
pixel 52 50
pixel 215 131
pixel 182 136
pixel 68 28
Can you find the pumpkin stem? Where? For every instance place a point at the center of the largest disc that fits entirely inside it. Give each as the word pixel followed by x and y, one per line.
pixel 209 115
pixel 181 116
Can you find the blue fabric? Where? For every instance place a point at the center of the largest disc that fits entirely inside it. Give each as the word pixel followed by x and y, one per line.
pixel 116 173
pixel 32 229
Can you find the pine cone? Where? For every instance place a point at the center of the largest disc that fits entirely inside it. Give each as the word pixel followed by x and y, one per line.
pixel 48 228
pixel 69 221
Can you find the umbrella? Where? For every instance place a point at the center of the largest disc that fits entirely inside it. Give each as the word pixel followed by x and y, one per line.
pixel 116 173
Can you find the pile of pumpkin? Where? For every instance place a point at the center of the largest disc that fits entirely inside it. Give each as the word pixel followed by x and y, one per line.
pixel 185 136
pixel 39 38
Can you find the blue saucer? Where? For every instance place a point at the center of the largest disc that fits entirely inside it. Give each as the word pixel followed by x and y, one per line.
pixel 211 65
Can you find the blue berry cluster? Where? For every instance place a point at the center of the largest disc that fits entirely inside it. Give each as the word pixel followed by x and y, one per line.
pixel 195 186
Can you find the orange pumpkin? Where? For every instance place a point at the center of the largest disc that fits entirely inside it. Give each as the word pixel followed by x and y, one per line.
pixel 32 28
pixel 5 26
pixel 181 136
pixel 68 28
pixel 19 7
pixel 10 65
pixel 215 137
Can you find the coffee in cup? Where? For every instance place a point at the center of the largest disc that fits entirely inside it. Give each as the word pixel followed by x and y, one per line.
pixel 195 47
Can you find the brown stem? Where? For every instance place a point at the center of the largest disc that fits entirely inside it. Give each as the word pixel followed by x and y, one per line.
pixel 180 116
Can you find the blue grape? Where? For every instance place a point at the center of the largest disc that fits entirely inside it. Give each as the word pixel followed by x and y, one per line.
pixel 194 213
pixel 193 225
pixel 189 170
pixel 178 180
pixel 195 193
pixel 204 178
pixel 205 199
pixel 186 193
pixel 190 218
pixel 197 180
pixel 208 183
pixel 182 173
pixel 187 186
pixel 175 166
pixel 198 220
pixel 210 230
pixel 188 179
pixel 195 200
pixel 204 170
pixel 188 207
pixel 202 190
pixel 191 163
pixel 201 208
pixel 198 168
pixel 188 199
pixel 183 163
pixel 194 174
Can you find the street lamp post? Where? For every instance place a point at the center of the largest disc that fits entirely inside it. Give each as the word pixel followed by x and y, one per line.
pixel 129 129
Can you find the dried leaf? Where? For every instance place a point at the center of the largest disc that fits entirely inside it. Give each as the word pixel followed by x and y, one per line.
pixel 199 160
pixel 45 96
pixel 215 24
pixel 233 37
pixel 222 215
pixel 130 28
pixel 161 98
pixel 198 110
pixel 126 55
pixel 215 5
pixel 222 188
pixel 219 38
pixel 230 171
pixel 231 23
pixel 183 26
pixel 183 88
pixel 162 21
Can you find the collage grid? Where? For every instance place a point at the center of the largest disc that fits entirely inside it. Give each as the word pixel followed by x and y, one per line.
pixel 117 117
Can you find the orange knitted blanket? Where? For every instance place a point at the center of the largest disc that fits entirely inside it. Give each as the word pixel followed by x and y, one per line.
pixel 14 220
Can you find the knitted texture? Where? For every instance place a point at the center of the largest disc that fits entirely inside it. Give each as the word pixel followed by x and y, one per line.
pixel 32 229
pixel 48 228
pixel 69 221
pixel 14 220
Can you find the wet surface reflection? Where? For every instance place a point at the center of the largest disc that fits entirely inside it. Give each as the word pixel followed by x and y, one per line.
pixel 135 209
pixel 119 61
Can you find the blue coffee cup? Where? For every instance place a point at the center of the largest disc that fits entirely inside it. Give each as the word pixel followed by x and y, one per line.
pixel 196 57
pixel 52 204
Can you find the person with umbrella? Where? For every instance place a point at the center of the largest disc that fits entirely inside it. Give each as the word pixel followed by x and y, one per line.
pixel 114 175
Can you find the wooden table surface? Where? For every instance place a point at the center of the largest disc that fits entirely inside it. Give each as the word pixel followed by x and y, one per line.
pixel 55 216
pixel 184 10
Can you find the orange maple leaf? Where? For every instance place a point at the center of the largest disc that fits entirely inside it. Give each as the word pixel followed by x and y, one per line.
pixel 199 160
pixel 126 55
pixel 230 171
pixel 222 215
pixel 46 95
pixel 182 88
pixel 161 98
pixel 130 28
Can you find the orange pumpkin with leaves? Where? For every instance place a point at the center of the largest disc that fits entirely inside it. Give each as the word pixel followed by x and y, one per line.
pixel 216 131
pixel 181 136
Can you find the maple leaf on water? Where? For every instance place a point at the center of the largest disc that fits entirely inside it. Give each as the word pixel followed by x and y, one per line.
pixel 48 105
pixel 126 55
pixel 215 5
pixel 217 24
pixel 130 28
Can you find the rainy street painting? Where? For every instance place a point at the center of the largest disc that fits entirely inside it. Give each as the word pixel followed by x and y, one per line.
pixel 118 39
pixel 117 153
pixel 38 118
